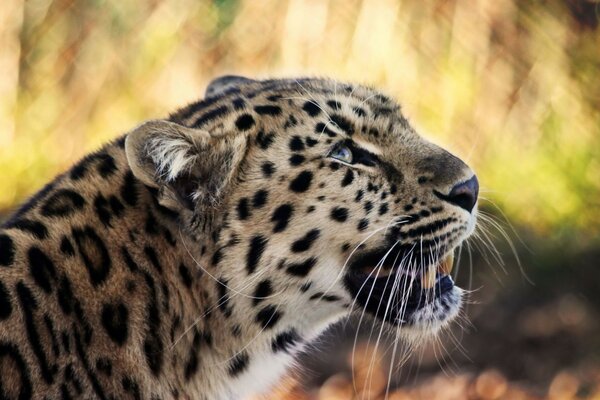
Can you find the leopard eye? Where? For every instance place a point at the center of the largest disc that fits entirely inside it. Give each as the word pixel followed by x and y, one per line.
pixel 342 153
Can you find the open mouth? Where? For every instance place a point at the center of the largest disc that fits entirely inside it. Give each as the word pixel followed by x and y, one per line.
pixel 394 291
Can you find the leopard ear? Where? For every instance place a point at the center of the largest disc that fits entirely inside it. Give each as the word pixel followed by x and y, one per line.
pixel 222 84
pixel 191 168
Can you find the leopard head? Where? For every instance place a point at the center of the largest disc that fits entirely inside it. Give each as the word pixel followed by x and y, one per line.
pixel 309 199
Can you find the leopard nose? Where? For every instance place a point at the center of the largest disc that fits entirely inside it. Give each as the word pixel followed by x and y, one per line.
pixel 463 194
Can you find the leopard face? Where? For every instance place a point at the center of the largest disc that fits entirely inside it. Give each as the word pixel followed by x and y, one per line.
pixel 194 256
pixel 336 202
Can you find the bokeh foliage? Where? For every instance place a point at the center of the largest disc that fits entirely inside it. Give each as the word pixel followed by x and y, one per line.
pixel 512 86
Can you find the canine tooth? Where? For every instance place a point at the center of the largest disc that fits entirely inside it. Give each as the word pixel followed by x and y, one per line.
pixel 446 265
pixel 428 279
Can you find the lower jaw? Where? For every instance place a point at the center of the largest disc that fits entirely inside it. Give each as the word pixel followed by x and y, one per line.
pixel 413 307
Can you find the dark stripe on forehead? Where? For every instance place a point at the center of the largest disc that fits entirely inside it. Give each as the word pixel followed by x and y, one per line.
pixel 343 123
pixel 211 115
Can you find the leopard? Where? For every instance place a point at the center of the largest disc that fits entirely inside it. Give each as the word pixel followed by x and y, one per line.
pixel 196 256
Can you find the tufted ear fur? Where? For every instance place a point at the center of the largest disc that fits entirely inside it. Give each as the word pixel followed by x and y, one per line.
pixel 222 84
pixel 191 168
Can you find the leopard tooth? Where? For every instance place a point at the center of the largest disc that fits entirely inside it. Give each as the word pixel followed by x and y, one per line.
pixel 446 265
pixel 428 278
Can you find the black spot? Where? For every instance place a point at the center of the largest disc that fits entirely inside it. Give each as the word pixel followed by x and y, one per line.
pixel 383 110
pixel 264 140
pixel 151 225
pixel 383 208
pixel 311 108
pixel 184 274
pixel 363 224
pixel 5 303
pixel 33 227
pixel 321 128
pixel 285 341
pixel 238 364
pixel 210 115
pixel 305 286
pixel 304 243
pixel 131 386
pixel 153 350
pixel 94 253
pixel 281 217
pixel 104 365
pixel 49 324
pixel 66 247
pixel 115 320
pixel 368 206
pixel 107 165
pixel 359 111
pixel 334 104
pixel 343 123
pixel 243 209
pixel 296 144
pixel 29 304
pixel 62 203
pixel 10 355
pixel 301 182
pixel 223 301
pixel 330 298
pixel 7 250
pixel 422 179
pixel 191 366
pixel 116 206
pixel 153 257
pixel 263 290
pixel 216 257
pixel 301 269
pixel 129 191
pixel 291 121
pixel 359 195
pixel 260 198
pixel 339 214
pixel 310 142
pixel 310 209
pixel 238 103
pixel 296 159
pixel 268 317
pixel 102 210
pixel 393 189
pixel 268 168
pixel 66 300
pixel 244 122
pixel 41 268
pixel 267 110
pixel 86 366
pixel 348 178
pixel 255 251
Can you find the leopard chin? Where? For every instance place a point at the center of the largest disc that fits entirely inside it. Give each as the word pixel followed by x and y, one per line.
pixel 420 297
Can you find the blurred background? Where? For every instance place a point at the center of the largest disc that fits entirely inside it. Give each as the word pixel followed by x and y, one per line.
pixel 511 86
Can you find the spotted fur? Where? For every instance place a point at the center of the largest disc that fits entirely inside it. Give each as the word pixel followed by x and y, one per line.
pixel 194 256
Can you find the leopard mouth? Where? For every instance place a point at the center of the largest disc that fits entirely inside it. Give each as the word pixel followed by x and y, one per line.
pixel 399 294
